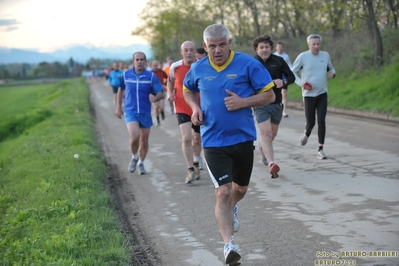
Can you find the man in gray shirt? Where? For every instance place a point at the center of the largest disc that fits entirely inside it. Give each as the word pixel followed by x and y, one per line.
pixel 315 67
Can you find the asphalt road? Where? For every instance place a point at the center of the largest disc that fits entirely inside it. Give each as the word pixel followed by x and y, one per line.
pixel 338 210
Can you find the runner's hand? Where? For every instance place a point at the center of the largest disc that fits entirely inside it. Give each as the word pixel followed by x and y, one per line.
pixel 233 101
pixel 118 112
pixel 279 83
pixel 171 96
pixel 197 118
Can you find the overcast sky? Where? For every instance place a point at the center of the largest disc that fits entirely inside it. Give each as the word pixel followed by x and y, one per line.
pixel 50 24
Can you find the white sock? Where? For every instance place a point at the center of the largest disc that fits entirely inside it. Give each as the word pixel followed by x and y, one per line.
pixel 135 156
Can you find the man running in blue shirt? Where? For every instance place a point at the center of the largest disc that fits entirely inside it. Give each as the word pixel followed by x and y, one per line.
pixel 138 87
pixel 230 83
pixel 114 79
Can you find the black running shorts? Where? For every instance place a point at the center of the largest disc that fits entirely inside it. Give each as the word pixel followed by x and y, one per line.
pixel 184 118
pixel 230 164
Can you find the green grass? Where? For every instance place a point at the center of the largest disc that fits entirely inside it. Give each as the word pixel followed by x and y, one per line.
pixel 376 91
pixel 30 81
pixel 54 209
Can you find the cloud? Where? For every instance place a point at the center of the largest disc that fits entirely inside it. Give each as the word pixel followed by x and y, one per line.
pixel 8 25
pixel 11 28
pixel 8 22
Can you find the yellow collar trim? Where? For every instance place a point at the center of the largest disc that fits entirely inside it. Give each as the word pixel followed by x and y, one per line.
pixel 222 67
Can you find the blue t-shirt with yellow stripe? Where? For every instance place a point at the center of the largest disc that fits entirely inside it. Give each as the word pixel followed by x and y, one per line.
pixel 241 74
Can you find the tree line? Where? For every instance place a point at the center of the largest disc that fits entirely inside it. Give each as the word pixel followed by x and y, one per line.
pixel 56 69
pixel 167 23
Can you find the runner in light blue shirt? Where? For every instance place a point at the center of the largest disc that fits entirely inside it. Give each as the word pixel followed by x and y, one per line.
pixel 315 67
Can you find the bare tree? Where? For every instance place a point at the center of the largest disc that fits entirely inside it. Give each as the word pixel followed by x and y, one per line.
pixel 254 10
pixel 378 49
pixel 394 9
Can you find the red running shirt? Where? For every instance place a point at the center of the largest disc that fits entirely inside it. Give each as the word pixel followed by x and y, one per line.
pixel 177 72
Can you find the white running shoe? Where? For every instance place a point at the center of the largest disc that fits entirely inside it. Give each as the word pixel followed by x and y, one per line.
pixel 285 114
pixel 142 170
pixel 190 177
pixel 236 224
pixel 132 165
pixel 321 155
pixel 230 251
pixel 304 139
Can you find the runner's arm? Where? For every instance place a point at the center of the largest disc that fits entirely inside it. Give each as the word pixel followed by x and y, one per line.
pixel 171 89
pixel 191 99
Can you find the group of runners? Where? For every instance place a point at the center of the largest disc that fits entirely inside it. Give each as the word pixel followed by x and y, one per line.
pixel 219 96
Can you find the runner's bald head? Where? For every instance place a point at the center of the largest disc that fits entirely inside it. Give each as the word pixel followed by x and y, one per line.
pixel 187 50
pixel 187 44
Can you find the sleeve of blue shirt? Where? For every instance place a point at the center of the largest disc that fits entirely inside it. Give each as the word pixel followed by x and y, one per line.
pixel 156 84
pixel 122 81
pixel 189 81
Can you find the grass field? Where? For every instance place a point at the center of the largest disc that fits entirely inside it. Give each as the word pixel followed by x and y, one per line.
pixel 378 91
pixel 54 208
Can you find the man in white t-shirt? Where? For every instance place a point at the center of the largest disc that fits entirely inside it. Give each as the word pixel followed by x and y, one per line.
pixel 280 52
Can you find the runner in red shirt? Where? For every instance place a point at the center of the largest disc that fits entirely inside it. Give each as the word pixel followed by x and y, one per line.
pixel 159 105
pixel 191 140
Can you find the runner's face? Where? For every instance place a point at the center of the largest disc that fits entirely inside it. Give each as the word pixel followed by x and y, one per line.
pixel 188 52
pixel 155 64
pixel 218 50
pixel 139 62
pixel 264 50
pixel 280 48
pixel 314 45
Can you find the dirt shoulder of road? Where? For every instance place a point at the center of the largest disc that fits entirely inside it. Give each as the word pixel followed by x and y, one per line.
pixel 125 207
pixel 120 193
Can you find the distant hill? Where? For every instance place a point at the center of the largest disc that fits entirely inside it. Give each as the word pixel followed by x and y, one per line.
pixel 79 53
pixel 8 56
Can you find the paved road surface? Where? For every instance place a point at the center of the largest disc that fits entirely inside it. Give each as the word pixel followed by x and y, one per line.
pixel 346 205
